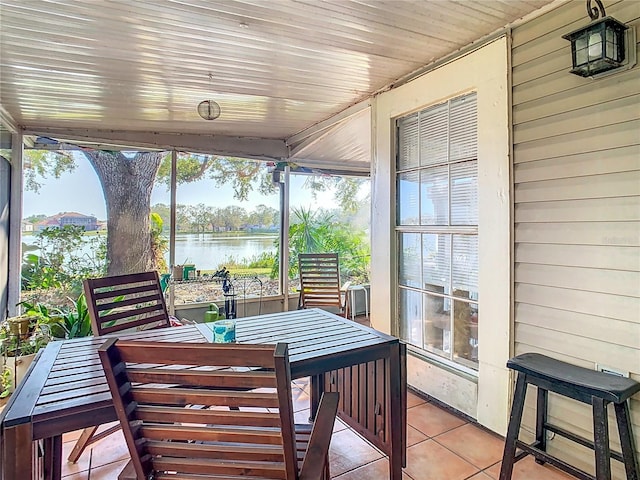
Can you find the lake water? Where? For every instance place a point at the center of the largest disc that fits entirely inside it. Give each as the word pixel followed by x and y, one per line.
pixel 207 251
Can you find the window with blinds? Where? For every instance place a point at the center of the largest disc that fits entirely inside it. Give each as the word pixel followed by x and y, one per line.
pixel 437 228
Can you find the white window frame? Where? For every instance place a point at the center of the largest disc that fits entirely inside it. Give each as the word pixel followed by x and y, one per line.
pixel 484 71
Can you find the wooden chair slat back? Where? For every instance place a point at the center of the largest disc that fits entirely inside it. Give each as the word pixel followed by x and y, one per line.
pixel 245 428
pixel 125 302
pixel 319 280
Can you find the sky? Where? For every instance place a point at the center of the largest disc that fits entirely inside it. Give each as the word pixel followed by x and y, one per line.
pixel 80 191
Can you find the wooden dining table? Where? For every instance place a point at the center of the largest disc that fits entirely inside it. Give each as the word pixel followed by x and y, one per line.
pixel 65 388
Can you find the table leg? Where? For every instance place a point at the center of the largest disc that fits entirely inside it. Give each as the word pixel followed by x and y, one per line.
pixel 397 402
pixel 17 461
pixel 53 458
pixel 317 388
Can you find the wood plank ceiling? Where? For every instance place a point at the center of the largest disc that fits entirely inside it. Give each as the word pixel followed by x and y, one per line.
pixel 278 66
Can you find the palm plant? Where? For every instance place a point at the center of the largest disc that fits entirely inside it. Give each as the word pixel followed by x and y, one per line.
pixel 316 232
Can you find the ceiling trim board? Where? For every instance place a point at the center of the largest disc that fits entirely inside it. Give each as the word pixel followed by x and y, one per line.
pixel 245 147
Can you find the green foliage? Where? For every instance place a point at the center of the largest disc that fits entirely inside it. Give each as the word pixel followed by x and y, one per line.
pixel 6 382
pixel 244 175
pixel 12 345
pixel 63 260
pixel 203 218
pixel 45 316
pixel 62 322
pixel 316 232
pixel 159 243
pixel 263 260
pixel 75 321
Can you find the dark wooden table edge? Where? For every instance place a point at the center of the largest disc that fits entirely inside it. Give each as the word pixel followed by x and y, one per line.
pixel 17 414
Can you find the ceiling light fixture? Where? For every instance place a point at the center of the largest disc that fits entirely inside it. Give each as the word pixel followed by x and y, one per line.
pixel 208 109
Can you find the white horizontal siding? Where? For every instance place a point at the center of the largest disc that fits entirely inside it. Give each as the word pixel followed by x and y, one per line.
pixel 624 234
pixel 589 210
pixel 604 305
pixel 623 159
pixel 603 186
pixel 609 88
pixel 606 257
pixel 615 282
pixel 618 332
pixel 599 139
pixel 602 114
pixel 576 214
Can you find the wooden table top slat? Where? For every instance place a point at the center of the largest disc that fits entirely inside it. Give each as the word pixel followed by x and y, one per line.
pixel 66 373
pixel 54 388
pixel 48 410
pixel 73 378
pixel 74 393
pixel 300 337
pixel 74 363
pixel 307 355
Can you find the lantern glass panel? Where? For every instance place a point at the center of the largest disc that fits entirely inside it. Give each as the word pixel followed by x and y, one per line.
pixel 595 45
pixel 612 46
pixel 581 50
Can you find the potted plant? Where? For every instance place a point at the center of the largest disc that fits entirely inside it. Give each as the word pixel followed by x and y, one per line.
pixel 63 322
pixel 20 339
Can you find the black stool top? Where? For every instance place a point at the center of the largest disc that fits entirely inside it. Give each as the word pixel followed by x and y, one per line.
pixel 590 382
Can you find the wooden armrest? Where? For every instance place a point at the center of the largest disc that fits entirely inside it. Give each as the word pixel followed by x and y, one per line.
pixel 318 449
pixel 345 287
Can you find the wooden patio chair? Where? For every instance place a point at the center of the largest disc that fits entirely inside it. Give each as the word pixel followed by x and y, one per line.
pixel 118 303
pixel 125 302
pixel 153 384
pixel 320 282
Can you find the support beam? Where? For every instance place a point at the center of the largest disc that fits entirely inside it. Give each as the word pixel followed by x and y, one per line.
pixel 246 147
pixel 15 225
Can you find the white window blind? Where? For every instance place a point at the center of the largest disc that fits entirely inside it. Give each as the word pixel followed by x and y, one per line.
pixel 437 219
pixel 408 147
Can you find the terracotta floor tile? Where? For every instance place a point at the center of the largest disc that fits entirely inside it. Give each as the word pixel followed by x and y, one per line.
pixel 102 472
pixel 414 400
pixel 432 420
pixel 301 399
pixel 528 469
pixel 378 470
pixel 429 460
pixel 480 476
pixel 108 450
pixel 349 451
pixel 414 436
pixel 475 445
pixel 301 382
pixel 302 416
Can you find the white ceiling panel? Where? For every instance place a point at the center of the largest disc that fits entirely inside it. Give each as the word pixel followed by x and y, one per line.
pixel 278 66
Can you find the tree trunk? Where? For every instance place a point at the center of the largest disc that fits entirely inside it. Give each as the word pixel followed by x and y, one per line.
pixel 127 183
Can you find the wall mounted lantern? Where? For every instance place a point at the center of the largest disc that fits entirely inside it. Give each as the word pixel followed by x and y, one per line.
pixel 598 47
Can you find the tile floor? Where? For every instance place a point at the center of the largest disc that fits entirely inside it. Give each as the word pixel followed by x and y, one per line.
pixel 441 446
